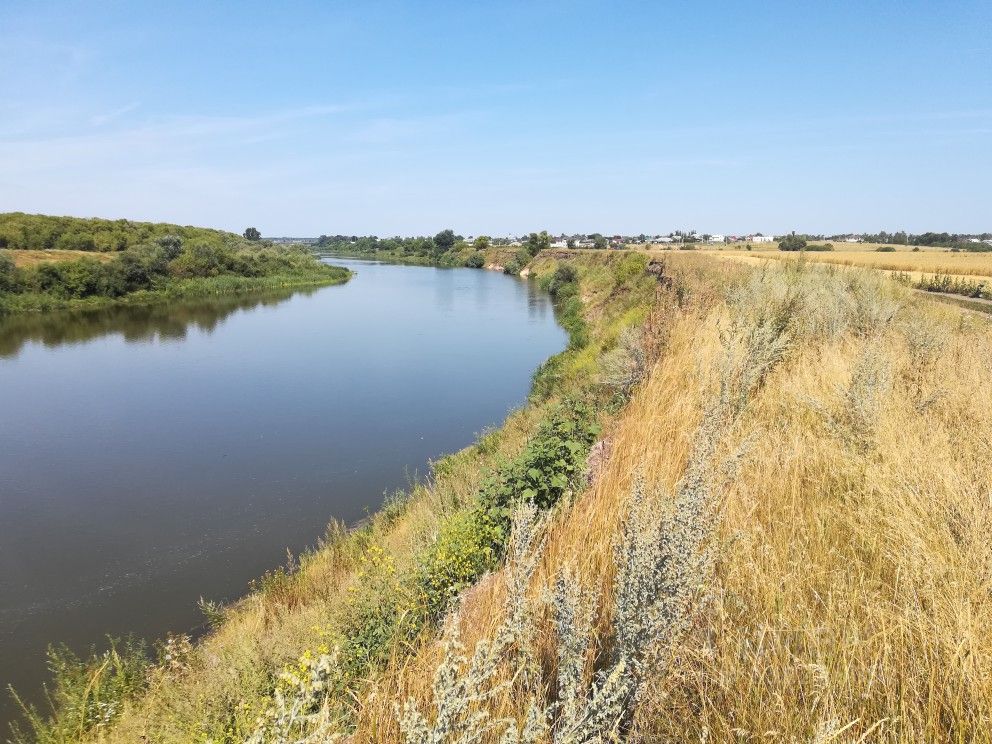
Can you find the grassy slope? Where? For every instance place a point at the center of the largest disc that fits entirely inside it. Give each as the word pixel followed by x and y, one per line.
pixel 850 598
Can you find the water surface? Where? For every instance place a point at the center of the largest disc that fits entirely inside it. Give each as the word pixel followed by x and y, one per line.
pixel 149 456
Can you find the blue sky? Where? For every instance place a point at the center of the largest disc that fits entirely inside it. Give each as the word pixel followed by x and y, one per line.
pixel 385 118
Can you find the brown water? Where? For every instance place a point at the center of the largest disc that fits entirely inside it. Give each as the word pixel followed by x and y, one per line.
pixel 149 456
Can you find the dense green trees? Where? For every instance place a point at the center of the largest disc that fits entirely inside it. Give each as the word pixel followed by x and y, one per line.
pixel 252 233
pixel 930 240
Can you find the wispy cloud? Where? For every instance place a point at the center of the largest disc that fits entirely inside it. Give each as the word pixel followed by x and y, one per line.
pixel 99 120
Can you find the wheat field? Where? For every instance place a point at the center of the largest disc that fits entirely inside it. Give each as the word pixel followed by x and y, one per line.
pixel 916 264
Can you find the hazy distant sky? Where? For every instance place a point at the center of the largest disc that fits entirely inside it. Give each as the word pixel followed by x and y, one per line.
pixel 501 117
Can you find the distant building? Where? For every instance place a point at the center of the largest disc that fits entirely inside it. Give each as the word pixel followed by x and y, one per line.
pixel 760 239
pixel 716 238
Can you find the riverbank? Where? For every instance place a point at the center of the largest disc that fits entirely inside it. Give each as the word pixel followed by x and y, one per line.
pixel 178 289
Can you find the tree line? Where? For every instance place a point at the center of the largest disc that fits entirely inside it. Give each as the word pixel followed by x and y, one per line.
pixel 43 232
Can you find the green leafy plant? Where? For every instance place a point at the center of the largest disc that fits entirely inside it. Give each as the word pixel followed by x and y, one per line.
pixel 86 694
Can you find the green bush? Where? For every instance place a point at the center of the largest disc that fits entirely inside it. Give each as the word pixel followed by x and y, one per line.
pixel 465 549
pixel 563 276
pixel 171 245
pixel 380 608
pixel 630 266
pixel 85 694
pixel 75 241
pixel 475 260
pixel 885 249
pixel 472 542
pixel 548 465
pixel 792 243
pixel 8 279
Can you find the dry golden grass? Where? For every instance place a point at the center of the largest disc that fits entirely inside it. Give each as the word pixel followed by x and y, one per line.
pixel 854 585
pixel 852 598
pixel 28 258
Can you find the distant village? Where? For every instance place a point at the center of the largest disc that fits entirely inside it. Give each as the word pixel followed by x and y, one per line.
pixel 596 240
pixel 691 237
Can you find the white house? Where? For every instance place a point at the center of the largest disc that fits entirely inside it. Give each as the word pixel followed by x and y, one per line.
pixel 761 239
pixel 716 238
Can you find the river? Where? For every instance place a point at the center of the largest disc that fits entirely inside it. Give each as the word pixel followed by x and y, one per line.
pixel 150 456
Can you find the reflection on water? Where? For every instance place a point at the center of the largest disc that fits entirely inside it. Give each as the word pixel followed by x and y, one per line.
pixel 152 455
pixel 132 322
